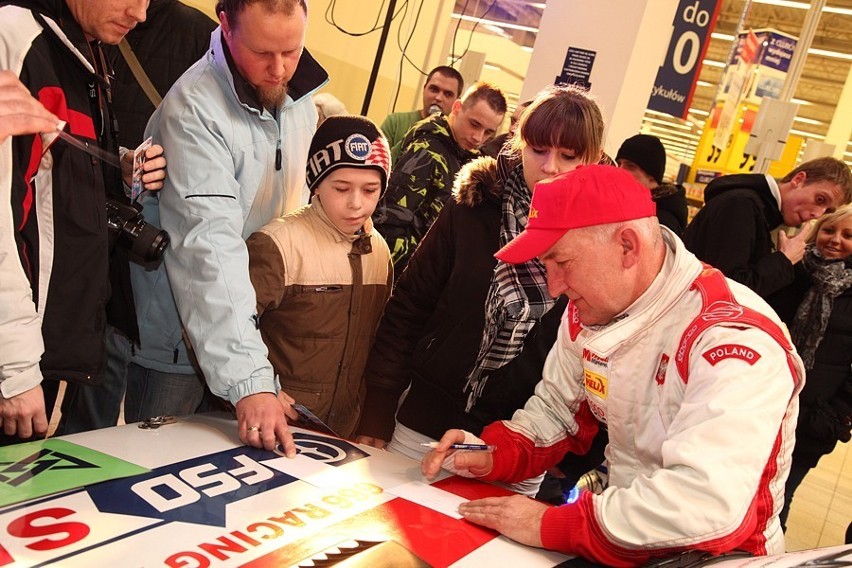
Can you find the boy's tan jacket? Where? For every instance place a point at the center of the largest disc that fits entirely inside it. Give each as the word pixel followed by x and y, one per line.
pixel 320 295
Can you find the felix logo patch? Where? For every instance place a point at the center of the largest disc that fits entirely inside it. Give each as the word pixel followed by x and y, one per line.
pixel 730 350
pixel 595 383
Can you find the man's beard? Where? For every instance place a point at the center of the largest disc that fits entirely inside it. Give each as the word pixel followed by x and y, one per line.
pixel 272 97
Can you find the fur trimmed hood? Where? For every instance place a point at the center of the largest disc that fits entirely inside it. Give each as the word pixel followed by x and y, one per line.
pixel 477 181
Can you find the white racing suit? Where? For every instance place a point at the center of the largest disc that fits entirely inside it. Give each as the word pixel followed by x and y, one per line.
pixel 697 383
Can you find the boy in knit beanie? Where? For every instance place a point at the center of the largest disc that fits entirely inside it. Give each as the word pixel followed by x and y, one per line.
pixel 322 274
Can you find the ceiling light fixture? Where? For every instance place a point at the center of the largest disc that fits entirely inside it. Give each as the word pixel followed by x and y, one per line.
pixel 807 134
pixel 811 51
pixel 495 23
pixel 808 120
pixel 827 53
pixel 724 37
pixel 667 123
pixel 804 6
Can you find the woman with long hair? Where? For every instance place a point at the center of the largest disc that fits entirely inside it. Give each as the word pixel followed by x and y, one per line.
pixel 465 334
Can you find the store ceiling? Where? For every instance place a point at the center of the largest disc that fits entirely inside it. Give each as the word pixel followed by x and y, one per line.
pixel 820 84
pixel 822 78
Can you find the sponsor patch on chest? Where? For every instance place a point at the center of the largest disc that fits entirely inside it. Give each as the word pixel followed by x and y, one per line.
pixel 595 384
pixel 594 358
pixel 731 350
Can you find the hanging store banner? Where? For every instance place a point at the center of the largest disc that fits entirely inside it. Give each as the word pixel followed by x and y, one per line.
pixel 756 70
pixel 776 52
pixel 675 83
pixel 736 88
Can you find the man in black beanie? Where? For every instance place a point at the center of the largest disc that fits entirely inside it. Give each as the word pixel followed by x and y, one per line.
pixel 644 157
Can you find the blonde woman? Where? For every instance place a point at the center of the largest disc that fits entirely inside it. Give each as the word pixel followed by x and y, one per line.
pixel 822 332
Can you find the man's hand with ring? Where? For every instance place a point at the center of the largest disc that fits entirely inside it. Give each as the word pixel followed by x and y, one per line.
pixel 262 423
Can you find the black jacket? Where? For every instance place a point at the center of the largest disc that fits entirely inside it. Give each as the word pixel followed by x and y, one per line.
pixel 732 232
pixel 70 249
pixel 826 400
pixel 173 37
pixel 672 211
pixel 431 330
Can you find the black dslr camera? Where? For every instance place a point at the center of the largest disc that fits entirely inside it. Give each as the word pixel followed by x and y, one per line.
pixel 129 228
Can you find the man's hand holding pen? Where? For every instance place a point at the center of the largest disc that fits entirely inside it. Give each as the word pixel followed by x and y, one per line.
pixel 517 517
pixel 461 462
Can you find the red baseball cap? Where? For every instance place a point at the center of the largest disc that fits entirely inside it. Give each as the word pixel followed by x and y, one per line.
pixel 587 196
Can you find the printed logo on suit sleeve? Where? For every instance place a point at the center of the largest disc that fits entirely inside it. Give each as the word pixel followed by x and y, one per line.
pixel 729 351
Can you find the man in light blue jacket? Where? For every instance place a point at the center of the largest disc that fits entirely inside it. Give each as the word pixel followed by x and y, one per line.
pixel 236 127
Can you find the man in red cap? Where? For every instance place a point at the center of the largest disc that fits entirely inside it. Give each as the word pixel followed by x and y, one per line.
pixel 691 373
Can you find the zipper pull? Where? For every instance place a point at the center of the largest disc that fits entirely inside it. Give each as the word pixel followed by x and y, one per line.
pixel 278 156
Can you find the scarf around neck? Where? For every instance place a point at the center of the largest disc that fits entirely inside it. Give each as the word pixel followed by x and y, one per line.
pixel 830 278
pixel 517 297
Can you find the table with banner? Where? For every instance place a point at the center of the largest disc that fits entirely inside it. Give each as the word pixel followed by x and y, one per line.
pixel 188 494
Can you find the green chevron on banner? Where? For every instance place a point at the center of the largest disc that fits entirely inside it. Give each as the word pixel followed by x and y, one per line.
pixel 35 469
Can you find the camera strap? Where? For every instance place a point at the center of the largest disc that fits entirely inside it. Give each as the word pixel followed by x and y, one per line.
pixel 139 72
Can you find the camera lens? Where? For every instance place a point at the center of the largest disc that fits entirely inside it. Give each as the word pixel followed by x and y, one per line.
pixel 145 240
pixel 128 227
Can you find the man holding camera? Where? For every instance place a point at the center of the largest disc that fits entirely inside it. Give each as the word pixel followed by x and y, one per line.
pixel 55 291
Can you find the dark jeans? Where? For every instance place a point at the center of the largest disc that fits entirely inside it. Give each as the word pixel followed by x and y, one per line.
pixel 155 393
pixel 798 471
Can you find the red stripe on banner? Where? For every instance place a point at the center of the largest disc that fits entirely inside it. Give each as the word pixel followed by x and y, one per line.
pixel 5 557
pixel 434 537
pixel 471 488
